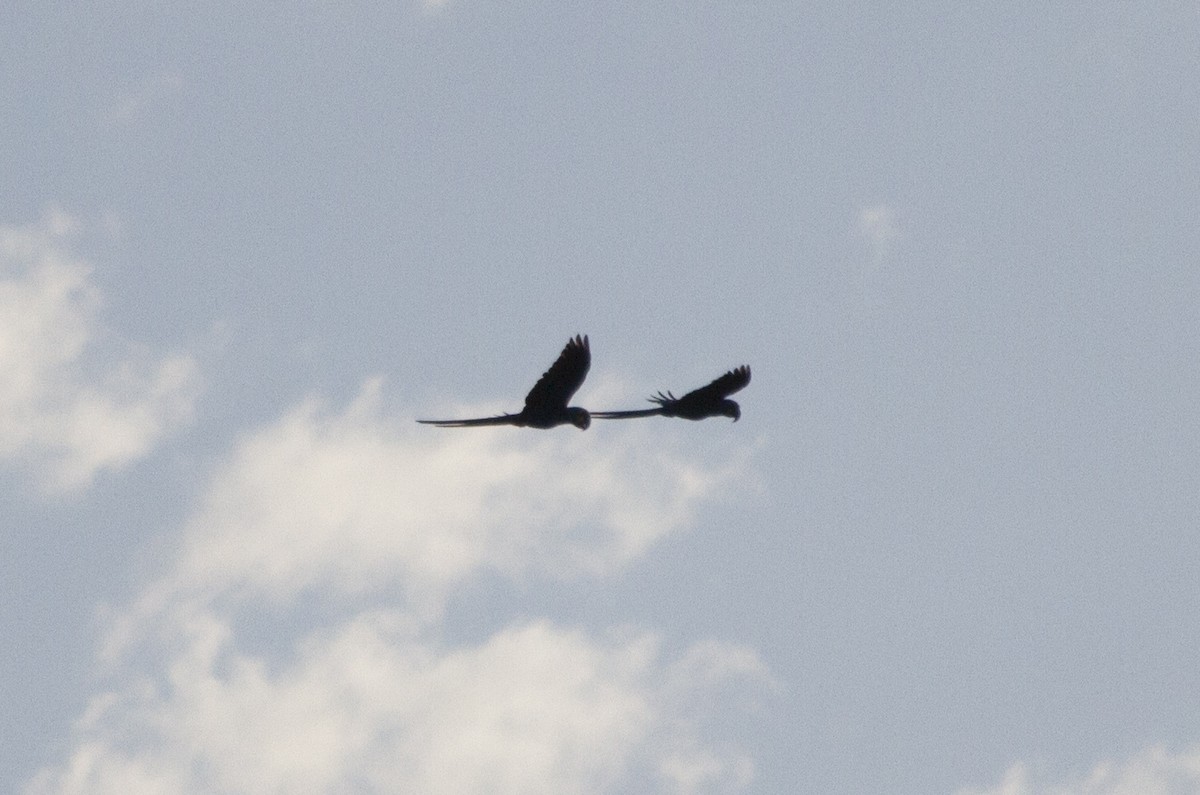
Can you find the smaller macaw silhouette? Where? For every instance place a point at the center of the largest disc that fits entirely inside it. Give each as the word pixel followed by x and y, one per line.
pixel 546 404
pixel 707 401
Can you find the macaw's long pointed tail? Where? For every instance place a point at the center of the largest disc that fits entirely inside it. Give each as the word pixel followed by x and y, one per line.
pixel 503 419
pixel 626 415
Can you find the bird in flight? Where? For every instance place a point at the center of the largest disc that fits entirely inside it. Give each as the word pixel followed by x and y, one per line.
pixel 546 404
pixel 707 401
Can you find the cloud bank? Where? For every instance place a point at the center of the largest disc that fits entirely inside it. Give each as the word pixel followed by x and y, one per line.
pixel 296 642
pixel 65 414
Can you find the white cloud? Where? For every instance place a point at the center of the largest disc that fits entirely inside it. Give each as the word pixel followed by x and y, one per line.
pixel 60 411
pixel 377 520
pixel 357 501
pixel 1154 771
pixel 371 708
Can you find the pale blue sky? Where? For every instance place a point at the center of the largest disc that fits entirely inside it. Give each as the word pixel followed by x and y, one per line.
pixel 951 545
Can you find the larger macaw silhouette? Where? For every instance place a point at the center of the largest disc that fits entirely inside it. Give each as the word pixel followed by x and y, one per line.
pixel 546 404
pixel 707 401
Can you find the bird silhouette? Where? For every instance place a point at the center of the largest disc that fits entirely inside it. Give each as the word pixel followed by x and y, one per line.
pixel 707 401
pixel 546 404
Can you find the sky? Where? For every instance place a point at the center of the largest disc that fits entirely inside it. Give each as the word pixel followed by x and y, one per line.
pixel 950 547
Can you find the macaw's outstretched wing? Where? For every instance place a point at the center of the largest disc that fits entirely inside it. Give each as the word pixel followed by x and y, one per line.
pixel 503 419
pixel 720 388
pixel 556 386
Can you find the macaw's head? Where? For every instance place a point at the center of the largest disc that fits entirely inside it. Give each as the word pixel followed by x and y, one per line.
pixel 579 417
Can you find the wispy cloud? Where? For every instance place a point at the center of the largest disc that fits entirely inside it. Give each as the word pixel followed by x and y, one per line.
pixel 136 102
pixel 879 228
pixel 1154 771
pixel 64 411
pixel 380 520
